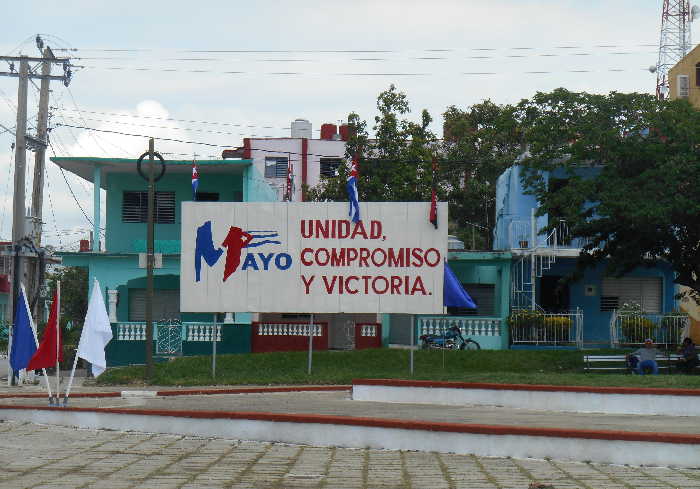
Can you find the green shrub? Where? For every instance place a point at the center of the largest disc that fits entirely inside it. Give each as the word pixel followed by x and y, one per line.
pixel 560 324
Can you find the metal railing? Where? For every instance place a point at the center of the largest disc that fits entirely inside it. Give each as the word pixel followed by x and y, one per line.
pixel 632 329
pixel 470 326
pixel 546 329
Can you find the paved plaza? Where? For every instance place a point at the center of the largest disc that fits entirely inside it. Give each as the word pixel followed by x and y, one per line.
pixel 42 457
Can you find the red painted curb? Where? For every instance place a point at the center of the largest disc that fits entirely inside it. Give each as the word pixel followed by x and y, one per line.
pixel 194 392
pixel 39 395
pixel 529 387
pixel 414 425
pixel 254 390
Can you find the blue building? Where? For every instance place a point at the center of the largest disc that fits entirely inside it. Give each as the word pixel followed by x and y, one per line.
pixel 592 304
pixel 117 254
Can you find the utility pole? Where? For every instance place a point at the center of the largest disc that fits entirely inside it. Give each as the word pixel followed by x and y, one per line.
pixel 22 142
pixel 149 264
pixel 35 273
pixel 18 210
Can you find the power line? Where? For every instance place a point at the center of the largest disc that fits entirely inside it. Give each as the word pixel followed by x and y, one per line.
pixel 346 74
pixel 289 153
pixel 190 121
pixel 361 51
pixel 71 189
pixel 224 133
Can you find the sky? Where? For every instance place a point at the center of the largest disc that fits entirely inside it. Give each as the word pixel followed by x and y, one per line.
pixel 215 72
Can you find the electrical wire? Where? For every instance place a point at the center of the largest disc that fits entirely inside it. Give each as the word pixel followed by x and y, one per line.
pixel 71 189
pixel 75 104
pixel 7 187
pixel 358 51
pixel 190 121
pixel 289 153
pixel 53 213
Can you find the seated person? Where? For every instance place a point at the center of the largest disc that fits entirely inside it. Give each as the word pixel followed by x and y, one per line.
pixel 647 358
pixel 689 356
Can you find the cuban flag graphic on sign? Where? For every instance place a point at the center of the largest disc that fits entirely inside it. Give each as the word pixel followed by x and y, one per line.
pixel 351 187
pixel 195 181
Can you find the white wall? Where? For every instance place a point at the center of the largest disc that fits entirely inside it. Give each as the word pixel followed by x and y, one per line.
pixel 317 148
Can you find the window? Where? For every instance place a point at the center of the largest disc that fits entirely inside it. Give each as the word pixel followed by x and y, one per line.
pixel 135 207
pixel 166 304
pixel 329 167
pixel 697 74
pixel 483 295
pixel 683 86
pixel 207 196
pixel 645 291
pixel 276 167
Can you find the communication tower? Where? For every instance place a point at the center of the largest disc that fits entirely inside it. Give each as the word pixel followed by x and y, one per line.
pixel 674 42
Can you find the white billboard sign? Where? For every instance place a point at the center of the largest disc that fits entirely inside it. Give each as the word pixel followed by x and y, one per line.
pixel 308 257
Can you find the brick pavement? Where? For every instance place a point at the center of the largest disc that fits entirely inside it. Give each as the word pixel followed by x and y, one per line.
pixel 43 457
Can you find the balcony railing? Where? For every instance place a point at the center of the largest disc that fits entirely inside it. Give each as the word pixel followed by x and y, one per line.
pixel 189 331
pixel 470 326
pixel 632 329
pixel 520 237
pixel 546 329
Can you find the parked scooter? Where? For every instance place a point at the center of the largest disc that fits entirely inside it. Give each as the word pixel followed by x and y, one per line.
pixel 452 339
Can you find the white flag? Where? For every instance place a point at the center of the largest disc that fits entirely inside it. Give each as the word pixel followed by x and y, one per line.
pixel 97 332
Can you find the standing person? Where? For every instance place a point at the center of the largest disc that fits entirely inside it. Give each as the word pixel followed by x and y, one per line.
pixel 647 358
pixel 689 356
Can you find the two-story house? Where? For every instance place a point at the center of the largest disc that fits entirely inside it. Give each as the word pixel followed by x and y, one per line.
pixel 117 256
pixel 590 304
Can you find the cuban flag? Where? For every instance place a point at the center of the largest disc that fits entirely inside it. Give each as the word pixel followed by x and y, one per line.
pixel 351 187
pixel 195 180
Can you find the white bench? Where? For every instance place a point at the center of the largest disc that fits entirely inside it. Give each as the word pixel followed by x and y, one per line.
pixel 619 362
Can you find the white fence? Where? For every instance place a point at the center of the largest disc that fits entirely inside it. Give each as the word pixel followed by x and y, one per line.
pixel 633 329
pixel 136 331
pixel 546 329
pixel 469 326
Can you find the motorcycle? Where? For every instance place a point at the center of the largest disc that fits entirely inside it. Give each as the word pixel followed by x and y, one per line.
pixel 451 339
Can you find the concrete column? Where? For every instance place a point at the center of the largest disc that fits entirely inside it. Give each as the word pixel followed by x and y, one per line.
pixel 112 295
pixel 96 180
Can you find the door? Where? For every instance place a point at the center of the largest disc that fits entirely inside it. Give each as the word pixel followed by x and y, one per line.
pixel 554 296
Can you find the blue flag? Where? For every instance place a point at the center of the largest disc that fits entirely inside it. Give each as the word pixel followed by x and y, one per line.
pixel 353 197
pixel 453 293
pixel 23 340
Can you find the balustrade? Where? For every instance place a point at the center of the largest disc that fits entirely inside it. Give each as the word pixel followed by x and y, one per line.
pixel 469 326
pixel 287 329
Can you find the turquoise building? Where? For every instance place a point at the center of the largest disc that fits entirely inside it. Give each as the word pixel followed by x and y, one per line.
pixel 116 256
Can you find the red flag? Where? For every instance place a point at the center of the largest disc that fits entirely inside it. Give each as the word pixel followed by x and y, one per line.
pixel 45 355
pixel 433 199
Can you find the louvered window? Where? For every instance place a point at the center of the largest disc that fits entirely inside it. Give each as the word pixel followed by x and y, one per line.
pixel 135 207
pixel 645 291
pixel 275 167
pixel 329 167
pixel 166 304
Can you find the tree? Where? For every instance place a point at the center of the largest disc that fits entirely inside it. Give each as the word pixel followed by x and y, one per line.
pixel 643 203
pixel 74 287
pixel 395 165
pixel 479 144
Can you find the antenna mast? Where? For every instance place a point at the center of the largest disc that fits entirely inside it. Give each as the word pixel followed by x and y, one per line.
pixel 675 42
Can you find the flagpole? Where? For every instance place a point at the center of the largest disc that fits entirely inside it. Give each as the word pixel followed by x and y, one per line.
pixel 72 373
pixel 36 340
pixel 58 339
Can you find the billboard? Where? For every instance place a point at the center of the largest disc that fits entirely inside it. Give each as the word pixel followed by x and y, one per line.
pixel 304 257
